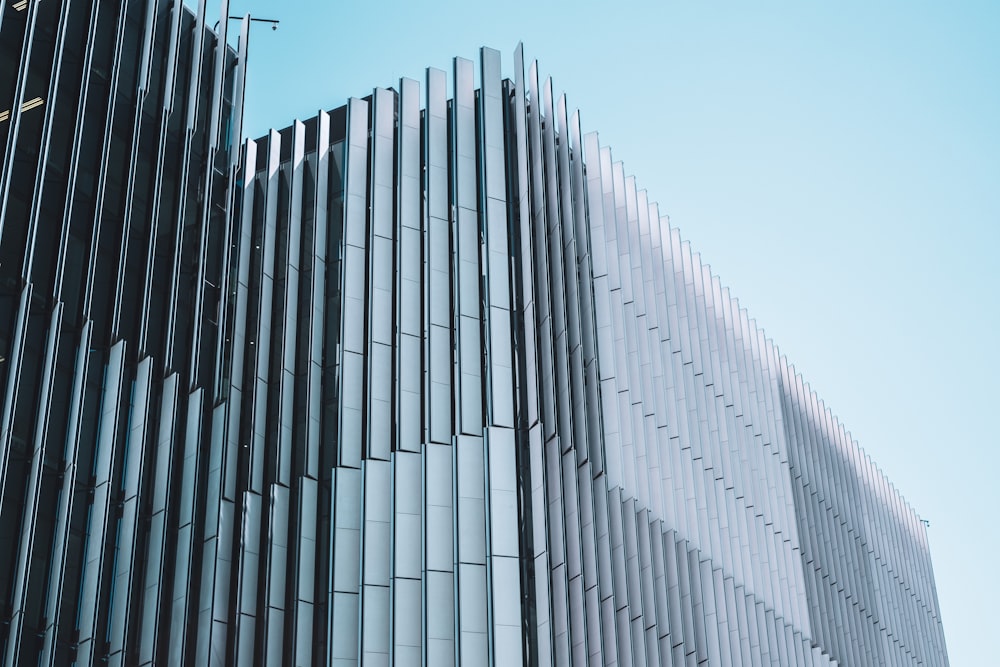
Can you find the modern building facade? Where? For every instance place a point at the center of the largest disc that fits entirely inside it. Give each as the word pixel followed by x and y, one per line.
pixel 424 379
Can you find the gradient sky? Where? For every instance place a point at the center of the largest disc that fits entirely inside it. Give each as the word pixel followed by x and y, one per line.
pixel 838 164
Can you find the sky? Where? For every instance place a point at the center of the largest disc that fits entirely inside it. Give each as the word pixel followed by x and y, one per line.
pixel 838 165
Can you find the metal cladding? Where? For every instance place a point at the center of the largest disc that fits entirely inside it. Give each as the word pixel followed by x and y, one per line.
pixel 421 382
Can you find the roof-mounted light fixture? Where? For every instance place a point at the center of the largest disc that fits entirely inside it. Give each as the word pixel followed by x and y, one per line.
pixel 20 6
pixel 274 22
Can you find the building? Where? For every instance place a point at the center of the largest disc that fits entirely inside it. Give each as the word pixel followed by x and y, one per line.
pixel 421 384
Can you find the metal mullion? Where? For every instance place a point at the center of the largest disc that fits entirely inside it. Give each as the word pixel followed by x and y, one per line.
pixel 540 555
pixel 647 340
pixel 125 583
pixel 623 322
pixel 530 440
pixel 354 250
pixel 318 316
pixel 807 539
pixel 584 265
pixel 542 298
pixel 239 92
pixel 241 406
pixel 238 384
pixel 103 171
pixel 556 422
pixel 715 329
pixel 438 554
pixel 656 307
pixel 466 273
pixel 693 643
pixel 176 12
pixel 504 617
pixel 438 408
pixel 659 588
pixel 406 562
pixel 674 599
pixel 379 294
pixel 344 626
pixel 126 224
pixel 209 165
pixel 57 564
pixel 29 510
pixel 733 623
pixel 183 587
pixel 408 364
pixel 729 348
pixel 7 166
pixel 670 360
pixel 556 271
pixel 220 386
pixel 607 304
pixel 221 50
pixel 91 584
pixel 272 634
pixel 497 294
pixel 226 434
pixel 287 397
pixel 374 630
pixel 156 578
pixel 309 491
pixel 262 352
pixel 471 547
pixel 11 390
pixel 619 566
pixel 256 505
pixel 647 588
pixel 528 400
pixel 374 637
pixel 146 296
pixel 181 199
pixel 75 155
pixel 304 596
pixel 126 586
pixel 596 252
pixel 438 521
pixel 145 58
pixel 43 151
pixel 572 280
pixel 573 547
pixel 217 526
pixel 247 574
pixel 213 130
pixel 586 486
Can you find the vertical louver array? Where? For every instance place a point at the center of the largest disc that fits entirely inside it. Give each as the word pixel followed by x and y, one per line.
pixel 114 299
pixel 425 379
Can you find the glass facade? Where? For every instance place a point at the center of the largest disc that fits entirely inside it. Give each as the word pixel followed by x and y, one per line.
pixel 419 380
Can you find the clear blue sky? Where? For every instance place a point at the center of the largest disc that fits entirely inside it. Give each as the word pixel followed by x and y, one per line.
pixel 838 164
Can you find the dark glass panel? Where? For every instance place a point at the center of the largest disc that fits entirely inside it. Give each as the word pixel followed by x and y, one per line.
pixel 191 211
pixel 12 31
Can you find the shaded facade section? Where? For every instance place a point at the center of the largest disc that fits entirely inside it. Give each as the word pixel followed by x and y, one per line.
pixel 116 123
